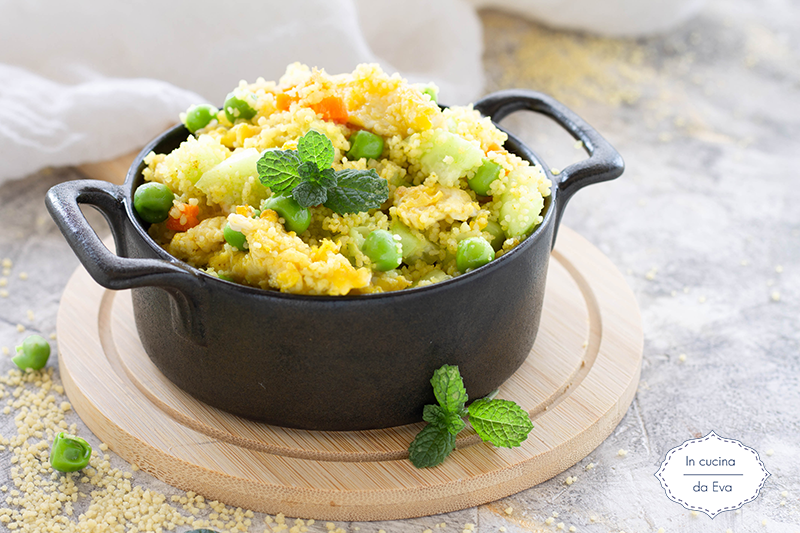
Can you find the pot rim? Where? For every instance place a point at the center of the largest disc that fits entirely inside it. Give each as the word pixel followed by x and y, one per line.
pixel 518 148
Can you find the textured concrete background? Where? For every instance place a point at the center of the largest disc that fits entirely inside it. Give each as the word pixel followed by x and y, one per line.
pixel 705 224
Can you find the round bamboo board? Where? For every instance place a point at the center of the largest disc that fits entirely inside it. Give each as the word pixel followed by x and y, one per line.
pixel 577 384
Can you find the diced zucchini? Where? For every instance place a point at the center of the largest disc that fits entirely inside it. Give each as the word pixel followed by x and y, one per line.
pixel 450 157
pixel 521 204
pixel 414 244
pixel 498 236
pixel 224 183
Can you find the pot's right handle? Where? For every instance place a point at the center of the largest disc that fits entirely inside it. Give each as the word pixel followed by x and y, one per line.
pixel 117 272
pixel 604 162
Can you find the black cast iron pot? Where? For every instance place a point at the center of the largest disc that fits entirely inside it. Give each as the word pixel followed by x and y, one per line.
pixel 329 363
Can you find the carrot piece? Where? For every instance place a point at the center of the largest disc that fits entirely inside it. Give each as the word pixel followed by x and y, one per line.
pixel 283 101
pixel 186 217
pixel 332 108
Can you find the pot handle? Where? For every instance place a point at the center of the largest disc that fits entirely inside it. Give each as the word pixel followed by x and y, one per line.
pixel 114 271
pixel 604 162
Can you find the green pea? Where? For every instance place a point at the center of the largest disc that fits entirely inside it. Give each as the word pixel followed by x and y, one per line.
pixel 236 107
pixel 33 353
pixel 364 144
pixel 430 91
pixel 69 453
pixel 199 116
pixel 153 201
pixel 383 250
pixel 484 176
pixel 234 238
pixel 473 253
pixel 297 218
pixel 498 235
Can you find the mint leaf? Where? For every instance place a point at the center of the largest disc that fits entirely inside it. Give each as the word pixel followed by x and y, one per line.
pixel 448 387
pixel 277 169
pixel 435 415
pixel 501 422
pixel 327 178
pixel 316 148
pixel 308 171
pixel 309 194
pixel 431 446
pixel 356 191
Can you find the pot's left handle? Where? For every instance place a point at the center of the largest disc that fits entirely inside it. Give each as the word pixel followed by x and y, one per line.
pixel 117 272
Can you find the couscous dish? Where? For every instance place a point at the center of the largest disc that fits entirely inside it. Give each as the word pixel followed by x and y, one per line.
pixel 339 184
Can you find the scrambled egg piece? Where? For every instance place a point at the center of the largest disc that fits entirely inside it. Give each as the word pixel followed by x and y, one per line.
pixel 387 105
pixel 281 260
pixel 422 206
pixel 198 244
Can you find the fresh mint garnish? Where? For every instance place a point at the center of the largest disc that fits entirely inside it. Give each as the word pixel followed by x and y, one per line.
pixel 277 169
pixel 316 148
pixel 306 174
pixel 448 387
pixel 501 422
pixel 309 193
pixel 431 446
pixel 435 415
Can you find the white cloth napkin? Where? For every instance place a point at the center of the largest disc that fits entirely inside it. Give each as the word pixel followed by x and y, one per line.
pixel 90 80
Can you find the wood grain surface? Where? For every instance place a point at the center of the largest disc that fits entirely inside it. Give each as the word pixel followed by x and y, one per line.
pixel 577 384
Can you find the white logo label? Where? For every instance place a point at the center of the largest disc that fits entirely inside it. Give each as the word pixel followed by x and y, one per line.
pixel 712 474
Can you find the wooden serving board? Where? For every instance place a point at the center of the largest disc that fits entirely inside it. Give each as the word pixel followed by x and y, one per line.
pixel 577 384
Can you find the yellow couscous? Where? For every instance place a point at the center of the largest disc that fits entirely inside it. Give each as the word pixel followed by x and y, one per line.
pixel 260 190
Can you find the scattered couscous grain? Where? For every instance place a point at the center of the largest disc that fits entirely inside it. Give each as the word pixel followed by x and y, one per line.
pixel 776 296
pixel 702 299
pixel 651 274
pixel 23 276
pixel 4 293
pixel 682 358
pixel 509 510
pixel 589 466
pixel 770 452
pixel 695 514
pixel 573 529
pixel 560 525
pixel 549 520
pixel 20 328
pixel 785 494
pixel 778 269
pixel 7 263
pixel 622 453
pixel 31 316
pixel 3 282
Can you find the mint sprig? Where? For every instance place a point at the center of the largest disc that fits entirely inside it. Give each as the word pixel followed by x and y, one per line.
pixel 305 173
pixel 500 422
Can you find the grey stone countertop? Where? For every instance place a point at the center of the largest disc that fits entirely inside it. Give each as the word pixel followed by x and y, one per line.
pixel 704 224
